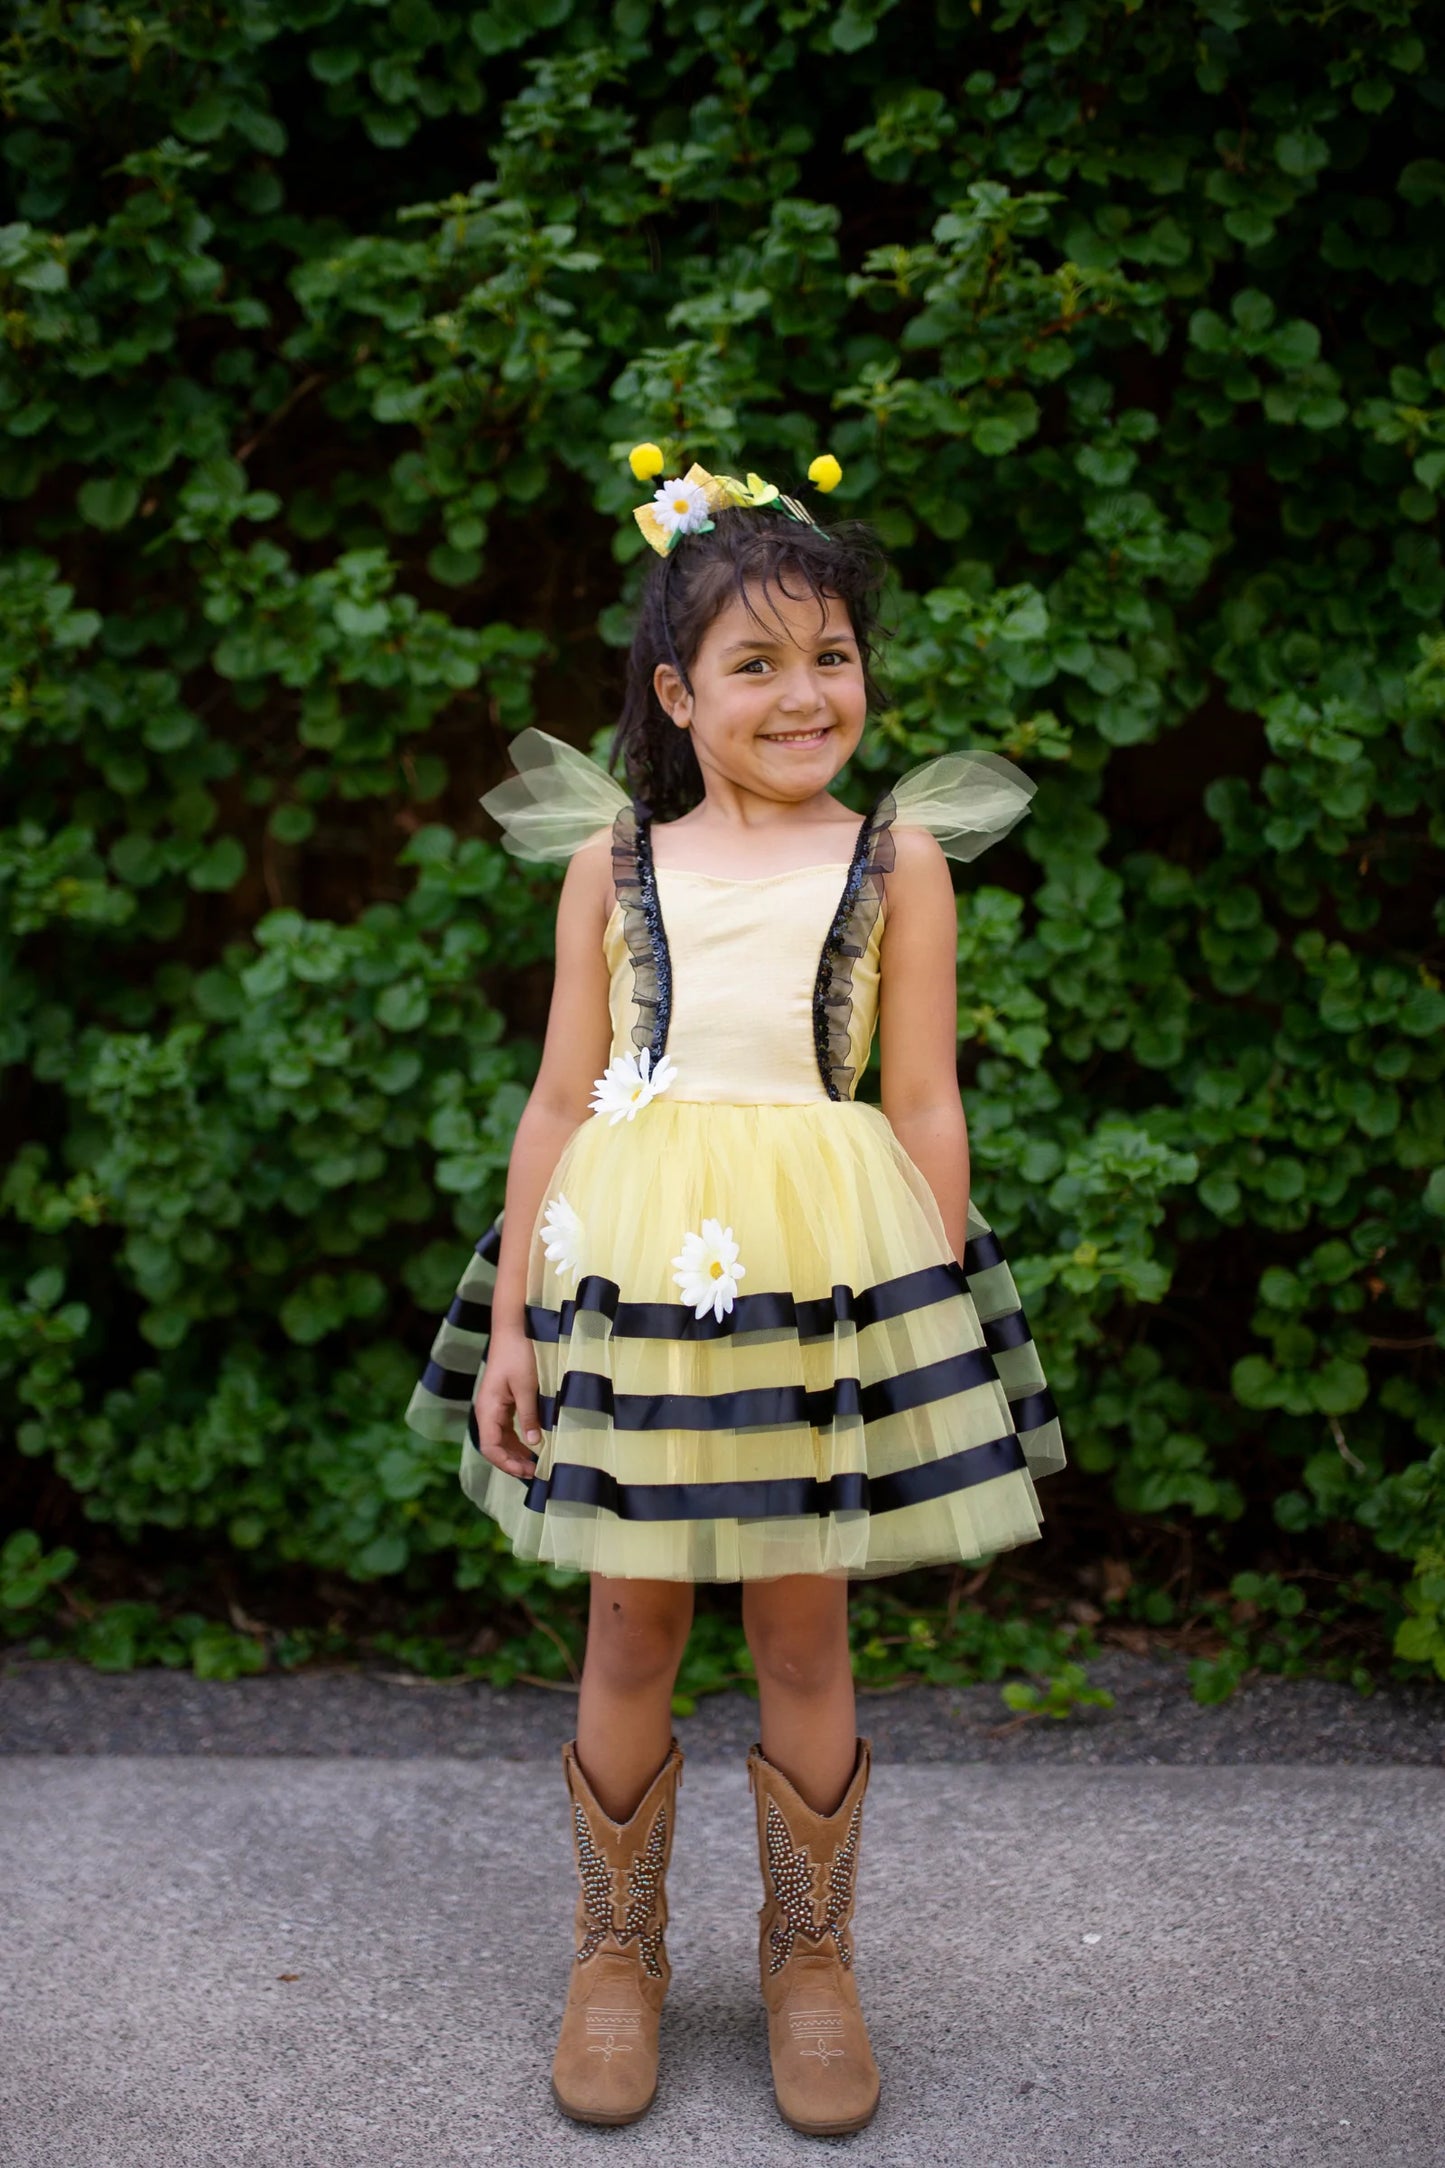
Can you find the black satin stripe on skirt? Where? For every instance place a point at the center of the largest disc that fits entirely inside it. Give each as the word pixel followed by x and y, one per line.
pixel 768 1407
pixel 750 1313
pixel 770 1497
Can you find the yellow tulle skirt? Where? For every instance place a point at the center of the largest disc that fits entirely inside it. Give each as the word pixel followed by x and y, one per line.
pixel 866 1404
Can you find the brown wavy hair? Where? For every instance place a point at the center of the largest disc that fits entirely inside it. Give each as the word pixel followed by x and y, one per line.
pixel 748 556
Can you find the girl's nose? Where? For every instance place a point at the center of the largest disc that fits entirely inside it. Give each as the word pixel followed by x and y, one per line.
pixel 800 693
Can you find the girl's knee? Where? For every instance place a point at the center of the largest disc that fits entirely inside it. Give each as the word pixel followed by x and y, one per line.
pixel 800 1648
pixel 636 1636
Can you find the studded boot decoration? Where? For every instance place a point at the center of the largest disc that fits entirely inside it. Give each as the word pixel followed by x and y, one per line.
pixel 605 2067
pixel 824 2076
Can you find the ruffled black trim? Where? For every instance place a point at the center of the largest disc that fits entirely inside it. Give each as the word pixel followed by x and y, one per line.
pixel 846 940
pixel 634 880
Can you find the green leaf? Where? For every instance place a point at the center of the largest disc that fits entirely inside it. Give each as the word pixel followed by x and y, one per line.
pixel 853 27
pixel 1340 1387
pixel 362 621
pixel 292 823
pixel 335 63
pixel 1423 181
pixel 1301 152
pixel 108 502
pixel 220 866
pixel 1418 1640
pixel 1422 1014
pixel 44 1288
pixel 384 1554
pixel 403 1007
pixel 453 567
pixel 1254 1382
pixel 20 1551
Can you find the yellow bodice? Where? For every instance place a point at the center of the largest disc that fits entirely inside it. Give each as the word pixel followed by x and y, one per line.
pixel 744 965
pixel 761 992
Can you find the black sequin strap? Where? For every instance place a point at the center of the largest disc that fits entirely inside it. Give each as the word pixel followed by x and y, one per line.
pixel 846 940
pixel 635 882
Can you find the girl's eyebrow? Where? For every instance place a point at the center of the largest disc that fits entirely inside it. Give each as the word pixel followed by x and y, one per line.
pixel 827 638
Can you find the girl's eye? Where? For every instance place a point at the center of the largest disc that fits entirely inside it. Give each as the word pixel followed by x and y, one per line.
pixel 759 662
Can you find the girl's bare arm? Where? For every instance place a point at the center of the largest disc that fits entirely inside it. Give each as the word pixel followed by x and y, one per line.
pixel 574 1054
pixel 918 1025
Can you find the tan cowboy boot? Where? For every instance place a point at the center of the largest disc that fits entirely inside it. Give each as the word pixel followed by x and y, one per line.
pixel 824 2075
pixel 605 2067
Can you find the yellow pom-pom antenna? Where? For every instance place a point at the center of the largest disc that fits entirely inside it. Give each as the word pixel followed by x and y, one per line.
pixel 825 472
pixel 645 460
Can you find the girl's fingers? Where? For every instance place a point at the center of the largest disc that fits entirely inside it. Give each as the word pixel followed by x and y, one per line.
pixel 512 1464
pixel 511 1459
pixel 529 1421
pixel 498 1438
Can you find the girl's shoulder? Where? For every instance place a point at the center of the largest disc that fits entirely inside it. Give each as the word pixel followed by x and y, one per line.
pixel 913 854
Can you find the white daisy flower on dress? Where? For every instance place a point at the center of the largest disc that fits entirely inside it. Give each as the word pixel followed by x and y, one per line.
pixel 680 508
pixel 630 1082
pixel 710 1269
pixel 564 1251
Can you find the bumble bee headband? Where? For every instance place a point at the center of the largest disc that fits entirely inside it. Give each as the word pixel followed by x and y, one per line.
pixel 686 505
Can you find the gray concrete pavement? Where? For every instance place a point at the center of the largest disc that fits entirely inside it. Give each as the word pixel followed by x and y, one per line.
pixel 54 1707
pixel 1064 1967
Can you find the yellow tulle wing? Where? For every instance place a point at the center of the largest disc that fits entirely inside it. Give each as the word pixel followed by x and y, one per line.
pixel 555 801
pixel 966 800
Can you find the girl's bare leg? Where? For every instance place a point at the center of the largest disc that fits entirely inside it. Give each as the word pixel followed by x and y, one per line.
pixel 797 1630
pixel 636 1633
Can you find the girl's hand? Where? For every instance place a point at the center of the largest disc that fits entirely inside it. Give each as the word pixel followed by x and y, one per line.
pixel 506 1402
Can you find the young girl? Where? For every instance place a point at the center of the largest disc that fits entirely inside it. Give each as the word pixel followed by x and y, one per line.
pixel 740 1326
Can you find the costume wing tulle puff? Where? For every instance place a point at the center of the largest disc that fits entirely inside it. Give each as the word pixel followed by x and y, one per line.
pixel 559 798
pixel 965 800
pixel 555 801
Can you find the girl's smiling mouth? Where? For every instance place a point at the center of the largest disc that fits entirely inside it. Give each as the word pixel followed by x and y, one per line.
pixel 815 736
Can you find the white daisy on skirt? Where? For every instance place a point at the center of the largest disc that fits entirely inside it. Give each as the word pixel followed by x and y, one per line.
pixel 630 1082
pixel 564 1251
pixel 710 1269
pixel 680 508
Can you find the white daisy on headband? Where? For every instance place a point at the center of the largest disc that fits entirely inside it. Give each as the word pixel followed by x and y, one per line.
pixel 681 507
pixel 710 1269
pixel 630 1082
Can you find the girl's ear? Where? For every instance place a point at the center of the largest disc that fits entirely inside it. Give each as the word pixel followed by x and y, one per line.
pixel 673 696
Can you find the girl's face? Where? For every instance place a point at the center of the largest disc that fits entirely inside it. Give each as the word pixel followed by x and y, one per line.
pixel 778 700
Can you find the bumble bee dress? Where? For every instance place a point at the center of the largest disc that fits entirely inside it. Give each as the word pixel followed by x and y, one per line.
pixel 756 1352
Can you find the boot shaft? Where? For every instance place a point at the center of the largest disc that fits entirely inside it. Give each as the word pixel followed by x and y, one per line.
pixel 622 1866
pixel 809 1863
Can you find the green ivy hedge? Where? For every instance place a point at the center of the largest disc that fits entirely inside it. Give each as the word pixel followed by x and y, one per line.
pixel 326 328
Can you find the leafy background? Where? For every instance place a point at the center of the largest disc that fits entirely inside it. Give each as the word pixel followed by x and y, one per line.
pixel 327 325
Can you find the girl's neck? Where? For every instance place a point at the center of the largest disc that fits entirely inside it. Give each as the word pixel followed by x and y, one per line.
pixel 785 839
